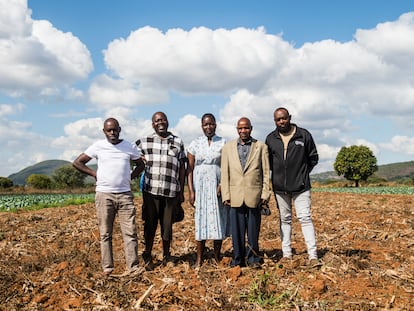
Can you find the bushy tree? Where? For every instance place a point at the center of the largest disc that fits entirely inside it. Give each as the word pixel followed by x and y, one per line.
pixel 68 177
pixel 39 181
pixel 6 182
pixel 355 163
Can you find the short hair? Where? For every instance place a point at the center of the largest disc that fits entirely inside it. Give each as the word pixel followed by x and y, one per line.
pixel 208 115
pixel 112 120
pixel 283 108
pixel 158 112
pixel 247 120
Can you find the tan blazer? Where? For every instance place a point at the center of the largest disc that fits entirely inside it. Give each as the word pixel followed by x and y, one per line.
pixel 247 185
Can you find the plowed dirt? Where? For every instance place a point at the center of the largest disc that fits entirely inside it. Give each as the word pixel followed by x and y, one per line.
pixel 50 260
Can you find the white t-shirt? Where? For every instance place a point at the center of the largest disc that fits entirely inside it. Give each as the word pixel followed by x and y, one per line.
pixel 114 168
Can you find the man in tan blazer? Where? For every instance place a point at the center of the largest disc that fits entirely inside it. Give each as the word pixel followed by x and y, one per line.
pixel 245 188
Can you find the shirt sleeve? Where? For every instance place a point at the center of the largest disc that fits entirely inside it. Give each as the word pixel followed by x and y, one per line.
pixel 91 151
pixel 136 152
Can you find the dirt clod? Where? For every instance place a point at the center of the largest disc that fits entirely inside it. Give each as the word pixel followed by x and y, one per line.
pixel 50 260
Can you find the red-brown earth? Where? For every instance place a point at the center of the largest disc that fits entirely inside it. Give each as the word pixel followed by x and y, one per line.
pixel 50 260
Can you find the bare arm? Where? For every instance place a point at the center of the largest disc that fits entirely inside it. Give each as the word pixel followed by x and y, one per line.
pixel 80 164
pixel 139 167
pixel 181 177
pixel 190 183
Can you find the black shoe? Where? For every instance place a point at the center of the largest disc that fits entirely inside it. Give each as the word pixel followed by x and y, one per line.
pixel 146 256
pixel 166 259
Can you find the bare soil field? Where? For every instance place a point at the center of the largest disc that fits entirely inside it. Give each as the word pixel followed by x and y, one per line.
pixel 50 260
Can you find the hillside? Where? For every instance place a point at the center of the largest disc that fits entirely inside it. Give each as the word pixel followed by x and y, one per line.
pixel 44 167
pixel 390 172
pixel 394 171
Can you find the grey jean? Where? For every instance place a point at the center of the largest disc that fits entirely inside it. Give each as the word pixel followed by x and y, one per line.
pixel 302 203
pixel 107 206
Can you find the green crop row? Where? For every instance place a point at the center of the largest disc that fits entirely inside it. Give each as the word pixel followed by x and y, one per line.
pixel 37 201
pixel 368 190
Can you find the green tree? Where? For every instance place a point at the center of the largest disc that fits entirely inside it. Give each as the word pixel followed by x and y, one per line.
pixel 355 163
pixel 68 177
pixel 6 182
pixel 39 181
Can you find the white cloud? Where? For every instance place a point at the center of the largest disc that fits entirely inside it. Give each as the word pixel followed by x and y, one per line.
pixel 14 19
pixel 22 147
pixel 188 128
pixel 393 42
pixel 400 144
pixel 325 84
pixel 36 59
pixel 200 60
pixel 105 92
pixel 329 87
pixel 80 134
pixel 70 54
pixel 10 109
pixel 327 156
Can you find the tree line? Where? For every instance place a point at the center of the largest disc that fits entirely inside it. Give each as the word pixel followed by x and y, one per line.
pixel 64 177
pixel 355 163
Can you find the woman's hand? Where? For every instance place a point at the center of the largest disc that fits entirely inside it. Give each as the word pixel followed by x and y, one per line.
pixel 191 198
pixel 218 191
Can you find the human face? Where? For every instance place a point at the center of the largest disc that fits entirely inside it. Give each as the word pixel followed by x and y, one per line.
pixel 111 130
pixel 209 126
pixel 244 128
pixel 282 120
pixel 160 124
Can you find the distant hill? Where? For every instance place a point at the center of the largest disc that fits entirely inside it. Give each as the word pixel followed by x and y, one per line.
pixel 46 167
pixel 390 172
pixel 395 171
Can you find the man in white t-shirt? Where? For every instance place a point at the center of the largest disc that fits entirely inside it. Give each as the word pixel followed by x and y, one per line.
pixel 113 191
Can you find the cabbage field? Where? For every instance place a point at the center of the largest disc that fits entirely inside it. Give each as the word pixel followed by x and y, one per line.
pixel 13 202
pixel 369 190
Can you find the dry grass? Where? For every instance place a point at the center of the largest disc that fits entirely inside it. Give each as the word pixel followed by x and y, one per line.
pixel 50 260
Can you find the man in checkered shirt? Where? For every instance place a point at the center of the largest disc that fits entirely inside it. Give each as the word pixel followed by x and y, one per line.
pixel 163 187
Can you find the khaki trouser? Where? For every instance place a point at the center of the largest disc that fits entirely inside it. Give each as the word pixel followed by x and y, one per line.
pixel 107 206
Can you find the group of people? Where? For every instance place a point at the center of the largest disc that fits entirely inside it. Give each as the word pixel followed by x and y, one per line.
pixel 228 185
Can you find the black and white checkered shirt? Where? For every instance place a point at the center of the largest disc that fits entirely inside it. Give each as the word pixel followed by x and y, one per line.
pixel 163 159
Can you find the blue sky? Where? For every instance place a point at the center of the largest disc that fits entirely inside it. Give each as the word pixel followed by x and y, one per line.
pixel 342 68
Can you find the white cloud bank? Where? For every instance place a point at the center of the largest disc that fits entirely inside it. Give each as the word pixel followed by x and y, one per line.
pixel 325 84
pixel 329 87
pixel 37 59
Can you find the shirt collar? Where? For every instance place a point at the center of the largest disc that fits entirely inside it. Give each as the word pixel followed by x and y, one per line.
pixel 170 135
pixel 249 142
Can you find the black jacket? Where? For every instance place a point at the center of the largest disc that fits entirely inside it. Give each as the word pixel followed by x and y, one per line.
pixel 291 175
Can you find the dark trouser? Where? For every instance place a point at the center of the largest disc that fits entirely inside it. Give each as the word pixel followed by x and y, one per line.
pixel 244 219
pixel 157 209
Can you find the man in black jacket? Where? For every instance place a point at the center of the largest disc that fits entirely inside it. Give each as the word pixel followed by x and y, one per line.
pixel 292 155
